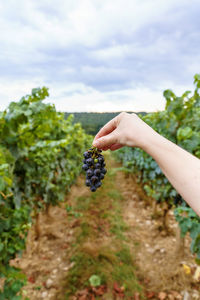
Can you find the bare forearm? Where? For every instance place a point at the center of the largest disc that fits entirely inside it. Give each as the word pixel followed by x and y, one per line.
pixel 180 167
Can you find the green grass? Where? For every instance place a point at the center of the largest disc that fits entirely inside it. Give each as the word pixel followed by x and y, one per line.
pixel 115 195
pixel 82 203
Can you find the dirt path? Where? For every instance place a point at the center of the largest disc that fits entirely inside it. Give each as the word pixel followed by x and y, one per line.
pixel 110 234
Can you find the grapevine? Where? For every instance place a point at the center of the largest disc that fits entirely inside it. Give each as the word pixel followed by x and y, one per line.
pixel 40 157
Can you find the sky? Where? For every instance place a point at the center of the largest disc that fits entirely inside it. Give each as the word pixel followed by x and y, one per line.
pixel 99 55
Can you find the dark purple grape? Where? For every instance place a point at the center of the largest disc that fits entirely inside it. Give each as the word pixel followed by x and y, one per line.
pixel 98 184
pixel 94 179
pixel 104 171
pixel 97 166
pixel 97 172
pixel 100 159
pixel 103 164
pixel 88 177
pixel 90 161
pixel 85 167
pixel 93 188
pixel 89 173
pixel 87 154
pixel 101 176
pixel 88 182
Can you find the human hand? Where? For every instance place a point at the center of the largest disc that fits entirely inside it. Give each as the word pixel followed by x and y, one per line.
pixel 123 130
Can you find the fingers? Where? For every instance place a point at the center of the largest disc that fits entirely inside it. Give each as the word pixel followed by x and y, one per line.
pixel 115 147
pixel 105 148
pixel 108 128
pixel 105 141
pixel 112 147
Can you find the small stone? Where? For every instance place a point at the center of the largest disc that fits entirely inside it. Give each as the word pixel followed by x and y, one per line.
pixel 55 271
pixel 150 250
pixel 68 267
pixel 148 222
pixel 162 296
pixel 162 250
pixel 49 283
pixel 186 295
pixel 197 274
pixel 44 294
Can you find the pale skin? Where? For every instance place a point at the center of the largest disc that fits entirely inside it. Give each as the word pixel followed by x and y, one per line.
pixel 180 167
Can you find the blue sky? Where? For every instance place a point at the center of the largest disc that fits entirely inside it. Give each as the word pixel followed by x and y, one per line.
pixel 99 55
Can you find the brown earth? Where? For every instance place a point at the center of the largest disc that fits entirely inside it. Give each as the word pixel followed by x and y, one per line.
pixel 160 269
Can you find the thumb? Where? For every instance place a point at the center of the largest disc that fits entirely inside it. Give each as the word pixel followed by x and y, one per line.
pixel 105 141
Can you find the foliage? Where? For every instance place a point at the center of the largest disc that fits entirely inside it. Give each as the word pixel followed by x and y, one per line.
pixel 179 122
pixel 13 228
pixel 40 158
pixel 189 222
pixel 95 280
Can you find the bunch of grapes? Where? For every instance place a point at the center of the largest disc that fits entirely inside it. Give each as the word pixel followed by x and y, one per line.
pixel 94 166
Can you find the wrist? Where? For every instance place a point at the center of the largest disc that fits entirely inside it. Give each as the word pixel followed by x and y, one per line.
pixel 155 144
pixel 147 138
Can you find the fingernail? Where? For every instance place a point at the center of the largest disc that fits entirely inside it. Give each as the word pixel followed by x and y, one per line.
pixel 96 144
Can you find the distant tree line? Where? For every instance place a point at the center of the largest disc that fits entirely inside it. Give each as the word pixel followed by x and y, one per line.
pixel 92 122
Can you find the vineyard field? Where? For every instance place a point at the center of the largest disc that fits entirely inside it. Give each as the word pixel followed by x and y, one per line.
pixel 134 238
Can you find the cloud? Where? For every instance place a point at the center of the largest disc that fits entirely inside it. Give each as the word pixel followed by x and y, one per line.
pixel 107 55
pixel 83 98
